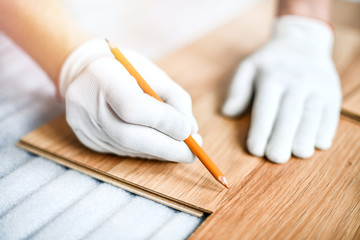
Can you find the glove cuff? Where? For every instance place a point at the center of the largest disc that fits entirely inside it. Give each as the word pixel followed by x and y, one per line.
pixel 79 59
pixel 310 32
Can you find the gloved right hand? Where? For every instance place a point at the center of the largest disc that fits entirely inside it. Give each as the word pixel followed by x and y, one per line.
pixel 110 113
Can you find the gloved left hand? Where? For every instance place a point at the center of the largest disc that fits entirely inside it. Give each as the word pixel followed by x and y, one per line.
pixel 297 91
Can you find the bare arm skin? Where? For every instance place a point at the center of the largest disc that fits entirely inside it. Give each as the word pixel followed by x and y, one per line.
pixel 44 30
pixel 318 9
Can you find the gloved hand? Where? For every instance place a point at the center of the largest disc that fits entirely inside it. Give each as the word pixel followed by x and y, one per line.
pixel 297 91
pixel 110 113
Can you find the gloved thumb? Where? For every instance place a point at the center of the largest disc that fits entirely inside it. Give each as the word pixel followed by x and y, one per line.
pixel 241 90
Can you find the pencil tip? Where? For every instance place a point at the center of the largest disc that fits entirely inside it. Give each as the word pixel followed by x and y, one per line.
pixel 223 181
pixel 109 43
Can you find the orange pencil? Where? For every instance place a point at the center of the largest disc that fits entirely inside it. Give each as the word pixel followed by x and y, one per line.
pixel 192 144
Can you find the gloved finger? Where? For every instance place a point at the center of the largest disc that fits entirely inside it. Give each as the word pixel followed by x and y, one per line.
pixel 147 111
pixel 89 132
pixel 174 95
pixel 266 104
pixel 304 143
pixel 241 90
pixel 143 140
pixel 280 143
pixel 114 147
pixel 132 105
pixel 328 126
pixel 91 142
pixel 169 91
pixel 159 146
pixel 83 126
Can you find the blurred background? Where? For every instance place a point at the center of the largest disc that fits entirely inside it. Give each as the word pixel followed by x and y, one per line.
pixel 155 27
pixel 158 27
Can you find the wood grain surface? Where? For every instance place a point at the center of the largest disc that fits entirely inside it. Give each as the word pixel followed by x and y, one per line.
pixel 351 102
pixel 351 105
pixel 317 198
pixel 345 53
pixel 346 13
pixel 313 198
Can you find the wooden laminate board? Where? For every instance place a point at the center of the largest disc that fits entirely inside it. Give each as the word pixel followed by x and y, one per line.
pixel 346 13
pixel 351 105
pixel 351 102
pixel 347 55
pixel 317 198
pixel 346 50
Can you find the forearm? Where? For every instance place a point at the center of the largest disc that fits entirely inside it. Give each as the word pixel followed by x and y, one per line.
pixel 43 29
pixel 318 9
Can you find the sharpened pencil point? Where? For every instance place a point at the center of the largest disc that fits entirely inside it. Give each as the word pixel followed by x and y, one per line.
pixel 223 181
pixel 110 44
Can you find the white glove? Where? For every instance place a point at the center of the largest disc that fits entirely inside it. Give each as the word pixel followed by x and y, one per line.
pixel 110 113
pixel 297 91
